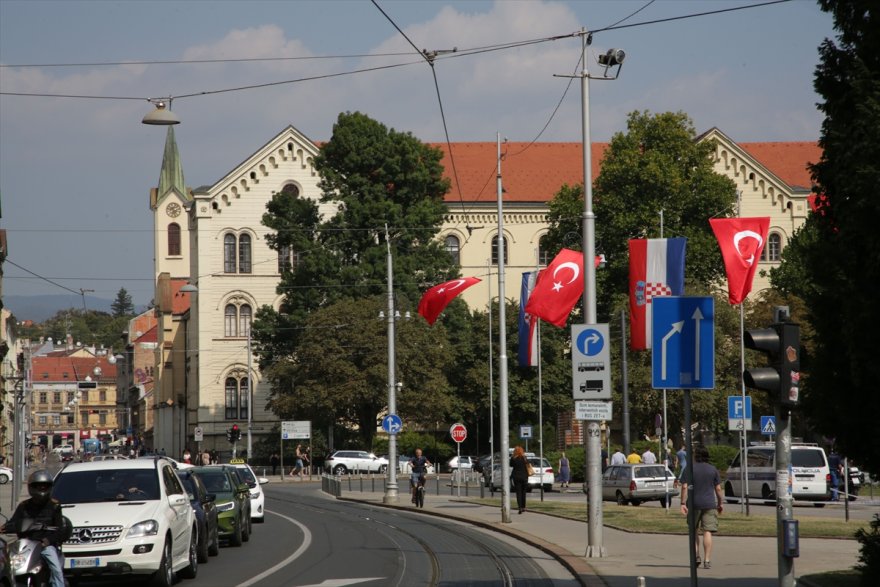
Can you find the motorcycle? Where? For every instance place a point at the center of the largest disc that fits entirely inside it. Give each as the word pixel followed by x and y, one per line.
pixel 856 480
pixel 26 556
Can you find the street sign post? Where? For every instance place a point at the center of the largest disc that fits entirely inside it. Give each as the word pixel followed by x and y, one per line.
pixel 199 434
pixel 458 432
pixel 296 430
pixel 768 425
pixel 683 342
pixel 590 362
pixel 739 415
pixel 588 410
pixel 525 431
pixel 392 424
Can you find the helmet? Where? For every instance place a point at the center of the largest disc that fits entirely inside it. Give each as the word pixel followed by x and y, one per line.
pixel 40 486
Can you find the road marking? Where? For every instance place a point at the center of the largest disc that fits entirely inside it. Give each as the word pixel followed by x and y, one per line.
pixel 307 541
pixel 342 582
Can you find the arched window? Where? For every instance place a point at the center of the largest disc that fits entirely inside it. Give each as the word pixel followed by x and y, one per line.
pixel 243 398
pixel 543 251
pixel 290 190
pixel 229 253
pixel 774 247
pixel 288 258
pixel 229 321
pixel 244 253
pixel 231 398
pixel 173 239
pixel 244 320
pixel 453 247
pixel 495 250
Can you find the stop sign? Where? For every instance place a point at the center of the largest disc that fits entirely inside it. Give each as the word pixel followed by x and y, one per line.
pixel 458 432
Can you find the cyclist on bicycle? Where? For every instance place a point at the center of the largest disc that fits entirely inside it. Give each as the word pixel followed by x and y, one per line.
pixel 419 466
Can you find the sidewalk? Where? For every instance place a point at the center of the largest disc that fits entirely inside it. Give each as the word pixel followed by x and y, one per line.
pixel 663 560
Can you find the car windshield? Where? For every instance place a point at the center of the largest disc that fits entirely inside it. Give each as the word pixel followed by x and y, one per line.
pixel 216 482
pixel 247 475
pixel 97 486
pixel 807 458
pixel 189 485
pixel 645 472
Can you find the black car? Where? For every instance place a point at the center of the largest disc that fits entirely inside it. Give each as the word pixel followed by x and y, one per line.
pixel 206 512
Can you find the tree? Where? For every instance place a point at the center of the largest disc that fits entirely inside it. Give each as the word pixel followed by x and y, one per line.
pixel 387 188
pixel 656 166
pixel 122 305
pixel 835 256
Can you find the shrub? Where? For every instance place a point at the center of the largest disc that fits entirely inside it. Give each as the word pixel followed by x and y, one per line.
pixel 869 553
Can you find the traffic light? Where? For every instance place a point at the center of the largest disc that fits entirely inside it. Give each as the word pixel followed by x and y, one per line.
pixel 236 432
pixel 782 344
pixel 229 434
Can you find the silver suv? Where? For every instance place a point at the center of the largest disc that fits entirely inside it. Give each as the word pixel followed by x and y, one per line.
pixel 342 462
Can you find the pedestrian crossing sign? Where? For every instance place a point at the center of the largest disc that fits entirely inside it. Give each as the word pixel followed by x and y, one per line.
pixel 768 425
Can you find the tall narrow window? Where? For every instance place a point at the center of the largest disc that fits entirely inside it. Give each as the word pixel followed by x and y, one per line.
pixel 231 398
pixel 173 239
pixel 229 321
pixel 244 320
pixel 287 258
pixel 774 247
pixel 495 250
pixel 229 253
pixel 543 251
pixel 243 401
pixel 453 247
pixel 244 253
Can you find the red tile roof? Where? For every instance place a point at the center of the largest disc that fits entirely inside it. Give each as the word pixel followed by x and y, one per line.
pixel 535 173
pixel 180 301
pixel 60 369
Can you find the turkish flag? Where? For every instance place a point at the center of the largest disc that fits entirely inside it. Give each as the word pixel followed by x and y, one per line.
pixel 438 297
pixel 741 241
pixel 558 288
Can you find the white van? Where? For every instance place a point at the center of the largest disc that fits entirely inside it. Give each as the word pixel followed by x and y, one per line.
pixel 811 477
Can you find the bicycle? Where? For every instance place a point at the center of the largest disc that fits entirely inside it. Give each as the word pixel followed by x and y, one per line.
pixel 419 492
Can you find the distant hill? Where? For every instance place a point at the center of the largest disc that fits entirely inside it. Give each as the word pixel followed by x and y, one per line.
pixel 40 308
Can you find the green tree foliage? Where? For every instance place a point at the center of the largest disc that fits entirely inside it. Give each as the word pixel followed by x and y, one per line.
pixel 377 179
pixel 88 327
pixel 122 305
pixel 833 263
pixel 657 165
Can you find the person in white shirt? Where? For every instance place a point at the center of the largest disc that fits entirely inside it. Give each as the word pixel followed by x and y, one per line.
pixel 618 458
pixel 648 457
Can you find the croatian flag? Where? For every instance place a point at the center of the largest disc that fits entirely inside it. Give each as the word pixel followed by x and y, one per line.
pixel 528 324
pixel 656 268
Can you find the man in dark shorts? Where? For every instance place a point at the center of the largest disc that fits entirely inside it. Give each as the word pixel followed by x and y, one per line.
pixel 419 466
pixel 707 496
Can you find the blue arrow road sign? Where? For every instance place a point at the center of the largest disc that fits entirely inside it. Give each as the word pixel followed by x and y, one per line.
pixel 392 424
pixel 683 341
pixel 768 425
pixel 590 342
pixel 735 408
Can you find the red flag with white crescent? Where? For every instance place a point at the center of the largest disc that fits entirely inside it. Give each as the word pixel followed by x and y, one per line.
pixel 558 288
pixel 742 241
pixel 438 297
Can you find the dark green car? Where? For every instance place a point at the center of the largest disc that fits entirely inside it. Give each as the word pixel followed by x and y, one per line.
pixel 232 499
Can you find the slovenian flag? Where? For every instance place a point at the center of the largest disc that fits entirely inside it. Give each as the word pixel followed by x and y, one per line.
pixel 656 268
pixel 528 324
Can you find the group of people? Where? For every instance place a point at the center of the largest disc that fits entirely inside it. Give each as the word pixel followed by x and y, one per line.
pixel 204 458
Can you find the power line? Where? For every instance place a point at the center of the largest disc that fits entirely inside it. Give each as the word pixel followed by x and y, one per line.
pixel 686 16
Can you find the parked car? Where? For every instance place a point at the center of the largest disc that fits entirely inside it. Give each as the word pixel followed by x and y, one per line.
pixel 465 462
pixel 5 475
pixel 342 462
pixel 635 483
pixel 543 474
pixel 128 517
pixel 811 476
pixel 258 498
pixel 232 496
pixel 483 466
pixel 205 508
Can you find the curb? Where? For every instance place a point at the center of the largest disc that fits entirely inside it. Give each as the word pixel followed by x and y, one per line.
pixel 582 572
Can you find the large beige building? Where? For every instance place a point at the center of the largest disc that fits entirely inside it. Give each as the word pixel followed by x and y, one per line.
pixel 211 238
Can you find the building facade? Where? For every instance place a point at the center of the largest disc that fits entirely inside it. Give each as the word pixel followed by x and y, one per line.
pixel 211 238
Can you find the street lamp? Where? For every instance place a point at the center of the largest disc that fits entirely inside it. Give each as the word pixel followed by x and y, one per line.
pixel 160 115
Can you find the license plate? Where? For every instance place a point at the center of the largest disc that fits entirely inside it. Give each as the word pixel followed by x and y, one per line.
pixel 82 563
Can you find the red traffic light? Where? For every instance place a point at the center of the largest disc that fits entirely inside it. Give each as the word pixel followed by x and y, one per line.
pixel 234 427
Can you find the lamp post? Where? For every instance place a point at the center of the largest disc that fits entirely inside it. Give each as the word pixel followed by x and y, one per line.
pixel 391 495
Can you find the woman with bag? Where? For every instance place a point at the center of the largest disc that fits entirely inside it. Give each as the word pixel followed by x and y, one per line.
pixel 519 474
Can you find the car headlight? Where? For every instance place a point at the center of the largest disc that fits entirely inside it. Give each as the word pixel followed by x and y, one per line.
pixel 145 528
pixel 255 494
pixel 225 507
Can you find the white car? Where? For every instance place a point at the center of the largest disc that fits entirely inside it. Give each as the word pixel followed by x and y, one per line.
pixel 258 498
pixel 403 465
pixel 463 463
pixel 5 475
pixel 543 475
pixel 129 517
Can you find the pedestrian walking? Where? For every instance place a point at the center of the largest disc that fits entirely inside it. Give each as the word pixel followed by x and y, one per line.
pixel 682 457
pixel 519 474
pixel 649 457
pixel 618 458
pixel 564 471
pixel 706 498
pixel 274 460
pixel 834 467
pixel 633 457
pixel 205 457
pixel 296 471
pixel 187 456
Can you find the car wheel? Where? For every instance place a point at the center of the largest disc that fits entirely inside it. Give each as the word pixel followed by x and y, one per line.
pixel 663 502
pixel 620 499
pixel 245 529
pixel 635 502
pixel 203 544
pixel 214 547
pixel 164 577
pixel 339 470
pixel 236 538
pixel 191 570
pixel 766 494
pixel 818 505
pixel 4 478
pixel 728 493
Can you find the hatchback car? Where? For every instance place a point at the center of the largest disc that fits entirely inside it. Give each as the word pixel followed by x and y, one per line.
pixel 205 508
pixel 258 498
pixel 342 462
pixel 463 463
pixel 635 483
pixel 232 496
pixel 543 475
pixel 5 475
pixel 129 517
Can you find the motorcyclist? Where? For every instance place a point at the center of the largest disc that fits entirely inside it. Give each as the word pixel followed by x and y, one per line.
pixel 42 509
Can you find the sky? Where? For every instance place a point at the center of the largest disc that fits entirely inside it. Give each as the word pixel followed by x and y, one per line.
pixel 76 173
